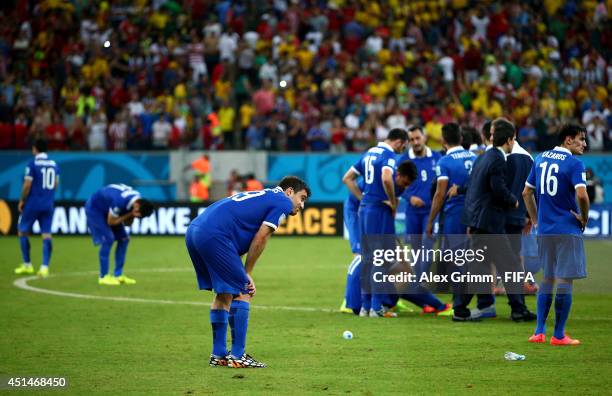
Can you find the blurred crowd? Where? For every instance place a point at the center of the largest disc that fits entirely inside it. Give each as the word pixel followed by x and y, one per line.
pixel 297 74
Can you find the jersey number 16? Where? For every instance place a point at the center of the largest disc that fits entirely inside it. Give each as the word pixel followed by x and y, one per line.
pixel 548 179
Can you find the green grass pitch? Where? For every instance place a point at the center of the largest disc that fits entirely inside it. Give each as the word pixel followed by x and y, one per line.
pixel 161 347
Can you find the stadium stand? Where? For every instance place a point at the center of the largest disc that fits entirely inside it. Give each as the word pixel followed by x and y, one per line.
pixel 297 75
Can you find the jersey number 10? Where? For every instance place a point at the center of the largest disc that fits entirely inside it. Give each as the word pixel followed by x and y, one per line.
pixel 548 180
pixel 48 178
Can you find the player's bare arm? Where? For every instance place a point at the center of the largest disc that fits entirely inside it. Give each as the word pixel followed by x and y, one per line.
pixel 387 181
pixel 257 247
pixel 25 191
pixel 436 204
pixel 416 201
pixel 583 203
pixel 530 203
pixel 350 179
pixel 126 218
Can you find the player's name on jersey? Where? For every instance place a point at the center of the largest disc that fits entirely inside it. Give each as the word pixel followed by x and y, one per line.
pixel 173 219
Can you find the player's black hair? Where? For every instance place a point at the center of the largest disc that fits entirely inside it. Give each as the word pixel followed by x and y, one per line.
pixel 486 130
pixel 451 134
pixel 476 137
pixel 296 183
pixel 409 169
pixel 40 145
pixel 467 136
pixel 413 128
pixel 146 207
pixel 569 130
pixel 397 133
pixel 502 131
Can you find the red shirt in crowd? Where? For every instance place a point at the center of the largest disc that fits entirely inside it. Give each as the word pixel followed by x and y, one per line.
pixel 56 135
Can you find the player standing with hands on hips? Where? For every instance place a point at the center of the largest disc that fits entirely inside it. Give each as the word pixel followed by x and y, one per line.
pixel 216 240
pixel 558 180
pixel 36 204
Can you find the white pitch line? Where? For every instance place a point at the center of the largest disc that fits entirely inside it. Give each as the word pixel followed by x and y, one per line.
pixel 22 283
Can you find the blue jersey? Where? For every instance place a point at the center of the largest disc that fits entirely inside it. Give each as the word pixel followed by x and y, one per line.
pixel 370 166
pixel 555 175
pixel 426 174
pixel 43 173
pixel 455 167
pixel 240 216
pixel 116 199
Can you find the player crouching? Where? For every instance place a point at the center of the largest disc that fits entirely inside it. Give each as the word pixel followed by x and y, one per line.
pixel 216 240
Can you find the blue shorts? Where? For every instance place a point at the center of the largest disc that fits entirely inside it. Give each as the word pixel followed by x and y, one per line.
pixel 376 220
pixel 353 286
pixel 216 262
pixel 416 222
pixel 529 251
pixel 455 233
pixel 30 215
pixel 101 232
pixel 562 256
pixel 351 221
pixel 452 222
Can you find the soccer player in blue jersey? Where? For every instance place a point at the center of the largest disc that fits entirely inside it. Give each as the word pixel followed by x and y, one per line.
pixel 452 169
pixel 378 202
pixel 108 211
pixel 558 181
pixel 229 228
pixel 418 194
pixel 36 204
pixel 352 296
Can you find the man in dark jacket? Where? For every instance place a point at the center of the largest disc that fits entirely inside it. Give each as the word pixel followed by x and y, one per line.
pixel 487 203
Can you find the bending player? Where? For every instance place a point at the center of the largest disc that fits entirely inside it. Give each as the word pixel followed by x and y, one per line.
pixel 36 203
pixel 234 226
pixel 108 211
pixel 558 180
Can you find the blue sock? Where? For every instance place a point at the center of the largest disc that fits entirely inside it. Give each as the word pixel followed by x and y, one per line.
pixel 105 248
pixel 429 298
pixel 366 301
pixel 47 249
pixel 415 299
pixel 239 323
pixel 24 243
pixel 120 252
pixel 218 320
pixel 563 303
pixel 544 301
pixel 377 300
